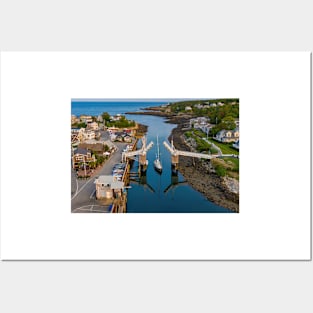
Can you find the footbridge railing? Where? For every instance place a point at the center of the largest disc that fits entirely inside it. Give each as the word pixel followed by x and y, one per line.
pixel 175 153
pixel 142 152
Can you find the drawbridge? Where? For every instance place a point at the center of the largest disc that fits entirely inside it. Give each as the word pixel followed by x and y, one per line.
pixel 176 153
pixel 141 153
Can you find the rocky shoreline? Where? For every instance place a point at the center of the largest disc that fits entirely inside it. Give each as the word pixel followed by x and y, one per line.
pixel 214 188
pixel 142 129
pixel 152 112
pixel 211 186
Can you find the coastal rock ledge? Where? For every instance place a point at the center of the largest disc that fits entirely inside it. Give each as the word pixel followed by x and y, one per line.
pixel 231 184
pixel 223 191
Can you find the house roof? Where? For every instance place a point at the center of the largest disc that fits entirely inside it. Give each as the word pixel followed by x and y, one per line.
pixel 117 185
pixel 224 131
pixel 92 146
pixel 109 143
pixel 104 179
pixel 221 132
pixel 109 180
pixel 81 151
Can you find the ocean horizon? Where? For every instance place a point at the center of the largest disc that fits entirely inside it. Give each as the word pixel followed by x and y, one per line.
pixel 79 107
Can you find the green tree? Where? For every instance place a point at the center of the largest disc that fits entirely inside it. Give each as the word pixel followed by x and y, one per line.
pixel 79 125
pixel 106 116
pixel 215 130
pixel 93 164
pixel 228 123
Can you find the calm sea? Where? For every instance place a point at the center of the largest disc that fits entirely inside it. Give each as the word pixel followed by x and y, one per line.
pixel 112 107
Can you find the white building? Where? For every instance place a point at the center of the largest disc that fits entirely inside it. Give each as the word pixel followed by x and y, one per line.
pixel 228 135
pixel 199 106
pixel 107 187
pixel 199 122
pixel 86 118
pixel 89 134
pixel 206 128
pixel 93 126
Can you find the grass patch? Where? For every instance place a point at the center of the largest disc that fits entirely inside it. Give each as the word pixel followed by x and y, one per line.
pixel 226 167
pixel 188 134
pixel 202 145
pixel 213 150
pixel 234 162
pixel 226 147
pixel 220 170
pixel 199 133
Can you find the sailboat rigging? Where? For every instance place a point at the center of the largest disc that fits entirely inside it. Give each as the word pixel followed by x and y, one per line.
pixel 157 162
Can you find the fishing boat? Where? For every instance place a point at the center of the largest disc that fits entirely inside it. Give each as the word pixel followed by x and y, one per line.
pixel 157 163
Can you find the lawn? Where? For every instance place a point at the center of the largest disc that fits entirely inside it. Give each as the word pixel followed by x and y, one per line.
pixel 226 148
pixel 198 135
pixel 234 162
pixel 202 145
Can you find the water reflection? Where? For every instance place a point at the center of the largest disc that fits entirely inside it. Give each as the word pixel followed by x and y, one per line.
pixel 174 182
pixel 141 179
pixel 166 192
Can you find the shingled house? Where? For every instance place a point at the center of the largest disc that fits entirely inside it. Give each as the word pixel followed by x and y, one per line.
pixel 228 135
pixel 80 156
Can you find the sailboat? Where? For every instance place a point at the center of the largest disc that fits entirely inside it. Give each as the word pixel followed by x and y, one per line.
pixel 157 163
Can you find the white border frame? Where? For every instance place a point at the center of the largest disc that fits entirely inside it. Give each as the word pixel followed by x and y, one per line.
pixel 36 91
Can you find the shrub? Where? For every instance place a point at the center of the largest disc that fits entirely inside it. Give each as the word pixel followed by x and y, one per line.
pixel 213 150
pixel 188 134
pixel 220 170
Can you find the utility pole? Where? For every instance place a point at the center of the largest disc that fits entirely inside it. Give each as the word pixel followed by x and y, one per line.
pixel 85 167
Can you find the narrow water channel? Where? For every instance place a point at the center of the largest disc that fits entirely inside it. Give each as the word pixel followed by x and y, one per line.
pixel 164 193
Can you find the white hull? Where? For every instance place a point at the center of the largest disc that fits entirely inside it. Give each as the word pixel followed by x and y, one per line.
pixel 157 165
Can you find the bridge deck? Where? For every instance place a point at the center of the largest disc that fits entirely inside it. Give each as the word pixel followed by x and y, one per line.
pixel 174 151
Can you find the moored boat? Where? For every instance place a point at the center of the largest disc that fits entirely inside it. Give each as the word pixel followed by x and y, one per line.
pixel 157 162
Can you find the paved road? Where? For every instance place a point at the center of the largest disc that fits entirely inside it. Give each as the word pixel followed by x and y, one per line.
pixel 83 199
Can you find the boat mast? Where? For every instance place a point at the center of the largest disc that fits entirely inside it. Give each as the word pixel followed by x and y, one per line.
pixel 158 148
